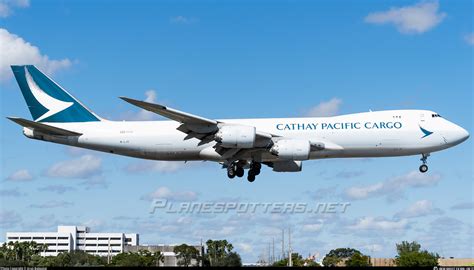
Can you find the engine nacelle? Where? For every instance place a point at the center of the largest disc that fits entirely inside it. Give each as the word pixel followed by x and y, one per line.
pixel 291 149
pixel 236 136
pixel 287 166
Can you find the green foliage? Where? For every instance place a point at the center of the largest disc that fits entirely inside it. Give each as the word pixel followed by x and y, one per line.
pixel 127 259
pixel 186 254
pixel 411 255
pixel 219 253
pixel 20 253
pixel 232 259
pixel 348 256
pixel 358 260
pixel 75 258
pixel 338 255
pixel 140 258
pixel 331 260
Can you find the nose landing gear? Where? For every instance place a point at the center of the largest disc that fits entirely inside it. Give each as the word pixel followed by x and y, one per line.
pixel 424 167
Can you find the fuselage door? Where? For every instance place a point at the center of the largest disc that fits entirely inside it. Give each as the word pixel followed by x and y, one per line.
pixel 422 117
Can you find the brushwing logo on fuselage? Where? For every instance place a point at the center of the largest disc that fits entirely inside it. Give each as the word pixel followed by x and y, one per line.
pixel 426 132
pixel 53 105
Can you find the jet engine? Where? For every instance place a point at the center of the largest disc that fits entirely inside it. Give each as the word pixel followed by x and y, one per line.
pixel 291 149
pixel 237 136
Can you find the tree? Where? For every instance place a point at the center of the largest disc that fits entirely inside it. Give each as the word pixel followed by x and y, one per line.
pixel 127 259
pixel 146 258
pixel 358 260
pixel 219 253
pixel 20 253
pixel 232 260
pixel 411 255
pixel 140 258
pixel 338 255
pixel 186 254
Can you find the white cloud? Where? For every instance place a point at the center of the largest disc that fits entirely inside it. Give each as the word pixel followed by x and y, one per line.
pixel 155 166
pixel 374 247
pixel 52 204
pixel 97 224
pixel 183 20
pixel 84 167
pixel 244 247
pixel 419 209
pixel 394 186
pixel 469 38
pixel 22 175
pixel 9 218
pixel 415 19
pixel 463 206
pixel 7 6
pixel 166 193
pixel 358 193
pixel 224 231
pixel 326 108
pixel 144 115
pixel 11 193
pixel 380 224
pixel 59 189
pixel 314 227
pixel 16 51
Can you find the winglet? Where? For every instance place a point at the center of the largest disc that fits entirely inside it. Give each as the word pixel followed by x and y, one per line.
pixel 143 104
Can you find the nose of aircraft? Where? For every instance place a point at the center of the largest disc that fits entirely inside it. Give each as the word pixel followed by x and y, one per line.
pixel 460 134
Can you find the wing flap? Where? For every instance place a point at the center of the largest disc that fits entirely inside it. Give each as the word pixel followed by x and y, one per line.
pixel 43 127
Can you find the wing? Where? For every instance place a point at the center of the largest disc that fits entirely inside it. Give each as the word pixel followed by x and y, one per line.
pixel 193 125
pixel 205 130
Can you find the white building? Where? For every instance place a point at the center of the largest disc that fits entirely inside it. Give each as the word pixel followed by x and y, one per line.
pixel 70 238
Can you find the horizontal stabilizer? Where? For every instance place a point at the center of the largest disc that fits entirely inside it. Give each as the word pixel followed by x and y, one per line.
pixel 43 127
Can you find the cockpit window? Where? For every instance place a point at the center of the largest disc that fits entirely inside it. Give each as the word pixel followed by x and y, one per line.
pixel 435 115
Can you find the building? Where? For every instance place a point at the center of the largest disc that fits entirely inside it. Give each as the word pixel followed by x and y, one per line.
pixel 382 262
pixel 170 258
pixel 71 238
pixel 456 262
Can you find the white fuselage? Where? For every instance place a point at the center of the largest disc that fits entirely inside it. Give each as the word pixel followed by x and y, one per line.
pixel 369 134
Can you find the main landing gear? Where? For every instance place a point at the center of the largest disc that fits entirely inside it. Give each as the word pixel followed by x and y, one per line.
pixel 236 169
pixel 254 170
pixel 424 167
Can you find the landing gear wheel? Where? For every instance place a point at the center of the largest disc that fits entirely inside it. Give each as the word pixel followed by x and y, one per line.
pixel 239 172
pixel 231 172
pixel 255 168
pixel 251 177
pixel 424 159
pixel 423 168
pixel 257 165
pixel 256 172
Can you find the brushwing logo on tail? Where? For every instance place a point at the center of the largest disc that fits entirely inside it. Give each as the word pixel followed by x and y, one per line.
pixel 53 105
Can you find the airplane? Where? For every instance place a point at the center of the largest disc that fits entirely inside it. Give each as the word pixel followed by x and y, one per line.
pixel 237 144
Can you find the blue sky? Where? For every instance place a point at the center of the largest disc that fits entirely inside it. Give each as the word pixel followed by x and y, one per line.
pixel 237 59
